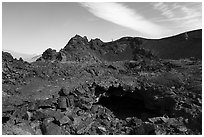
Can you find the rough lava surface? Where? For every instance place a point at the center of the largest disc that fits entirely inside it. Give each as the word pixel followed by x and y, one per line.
pixel 97 88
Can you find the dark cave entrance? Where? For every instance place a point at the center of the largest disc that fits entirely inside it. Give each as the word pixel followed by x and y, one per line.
pixel 5 119
pixel 125 104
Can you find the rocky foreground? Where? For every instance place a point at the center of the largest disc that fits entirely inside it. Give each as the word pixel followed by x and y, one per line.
pixel 78 91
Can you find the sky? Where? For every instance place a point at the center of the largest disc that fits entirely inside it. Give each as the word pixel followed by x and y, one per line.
pixel 31 28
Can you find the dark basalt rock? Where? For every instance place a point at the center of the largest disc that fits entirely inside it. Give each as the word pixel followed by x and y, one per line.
pixel 63 92
pixel 95 44
pixel 49 54
pixel 77 42
pixel 65 120
pixel 7 56
pixel 51 129
pixel 62 102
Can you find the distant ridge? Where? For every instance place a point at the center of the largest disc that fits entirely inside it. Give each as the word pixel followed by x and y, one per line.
pixel 78 48
pixel 17 55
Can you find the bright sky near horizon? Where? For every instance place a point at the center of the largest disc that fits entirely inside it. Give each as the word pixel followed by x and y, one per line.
pixel 33 27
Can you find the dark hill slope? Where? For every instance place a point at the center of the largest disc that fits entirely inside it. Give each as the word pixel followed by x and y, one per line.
pixel 184 45
pixel 176 47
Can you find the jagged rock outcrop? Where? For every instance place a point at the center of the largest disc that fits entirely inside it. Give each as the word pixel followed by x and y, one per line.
pixel 48 54
pixel 7 56
pixel 77 49
pixel 96 44
pixel 76 43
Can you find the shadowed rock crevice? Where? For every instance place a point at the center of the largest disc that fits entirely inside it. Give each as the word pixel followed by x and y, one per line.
pixel 126 104
pixel 5 119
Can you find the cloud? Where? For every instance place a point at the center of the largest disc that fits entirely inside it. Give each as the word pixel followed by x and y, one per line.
pixel 164 9
pixel 120 14
pixel 187 16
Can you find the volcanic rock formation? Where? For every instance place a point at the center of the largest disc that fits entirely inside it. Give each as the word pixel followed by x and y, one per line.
pixel 97 88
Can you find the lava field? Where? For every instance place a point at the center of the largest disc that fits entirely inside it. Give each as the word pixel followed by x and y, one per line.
pixel 97 88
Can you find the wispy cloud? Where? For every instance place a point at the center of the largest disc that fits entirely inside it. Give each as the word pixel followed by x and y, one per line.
pixel 192 17
pixel 122 15
pixel 189 17
pixel 166 11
